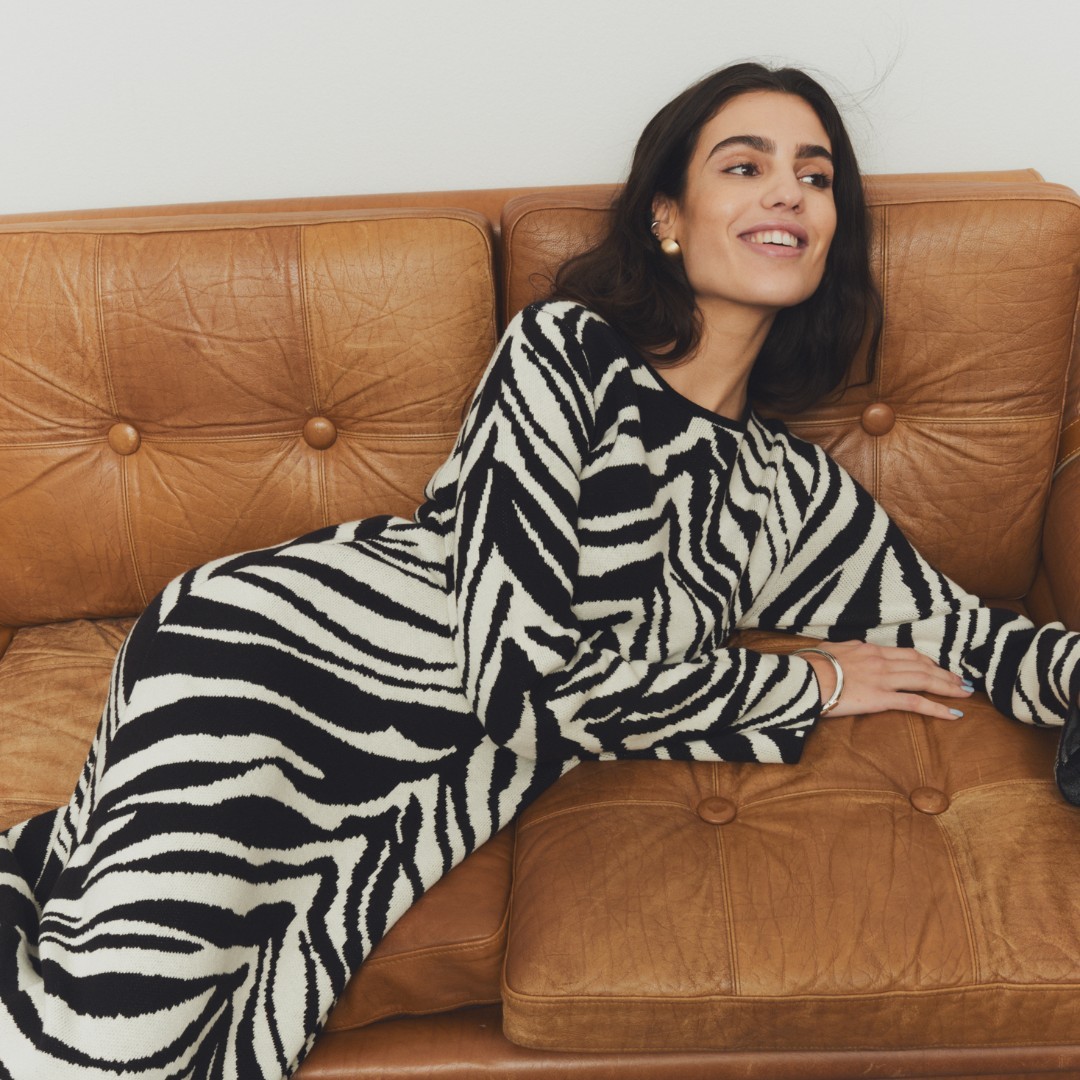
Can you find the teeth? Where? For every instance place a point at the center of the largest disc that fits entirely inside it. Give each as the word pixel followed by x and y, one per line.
pixel 774 236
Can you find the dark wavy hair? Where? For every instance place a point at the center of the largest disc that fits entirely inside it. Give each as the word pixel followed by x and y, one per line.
pixel 645 294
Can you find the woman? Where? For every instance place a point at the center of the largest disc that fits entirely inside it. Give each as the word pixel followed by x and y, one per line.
pixel 299 741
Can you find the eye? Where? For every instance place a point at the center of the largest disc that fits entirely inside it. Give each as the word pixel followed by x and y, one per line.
pixel 818 180
pixel 743 168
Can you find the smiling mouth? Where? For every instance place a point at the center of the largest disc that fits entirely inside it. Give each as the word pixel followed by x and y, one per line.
pixel 773 236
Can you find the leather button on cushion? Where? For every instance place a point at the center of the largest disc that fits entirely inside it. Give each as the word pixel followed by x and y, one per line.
pixel 878 419
pixel 320 433
pixel 928 800
pixel 124 438
pixel 716 810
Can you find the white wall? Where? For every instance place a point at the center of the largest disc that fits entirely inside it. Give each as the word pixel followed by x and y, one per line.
pixel 124 102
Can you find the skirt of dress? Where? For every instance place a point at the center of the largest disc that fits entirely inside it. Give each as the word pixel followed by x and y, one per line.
pixel 285 762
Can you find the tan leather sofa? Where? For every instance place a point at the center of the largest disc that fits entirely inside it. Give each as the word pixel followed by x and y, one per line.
pixel 180 382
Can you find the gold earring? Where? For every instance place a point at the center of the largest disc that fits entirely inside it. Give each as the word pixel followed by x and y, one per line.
pixel 670 247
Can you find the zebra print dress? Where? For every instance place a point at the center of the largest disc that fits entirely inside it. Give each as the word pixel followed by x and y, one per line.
pixel 299 741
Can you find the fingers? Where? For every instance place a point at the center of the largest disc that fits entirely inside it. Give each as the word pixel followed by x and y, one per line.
pixel 878 678
pixel 902 669
pixel 907 674
pixel 916 703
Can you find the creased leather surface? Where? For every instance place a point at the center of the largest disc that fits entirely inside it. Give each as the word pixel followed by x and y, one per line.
pixel 159 374
pixel 830 913
pixel 53 681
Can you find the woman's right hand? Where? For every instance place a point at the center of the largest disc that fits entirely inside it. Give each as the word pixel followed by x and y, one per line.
pixel 880 677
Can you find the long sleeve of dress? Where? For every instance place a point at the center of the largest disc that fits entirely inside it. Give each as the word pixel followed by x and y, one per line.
pixel 542 683
pixel 851 574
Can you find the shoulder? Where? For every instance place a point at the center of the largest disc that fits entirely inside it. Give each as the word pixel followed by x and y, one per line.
pixel 804 466
pixel 779 444
pixel 567 335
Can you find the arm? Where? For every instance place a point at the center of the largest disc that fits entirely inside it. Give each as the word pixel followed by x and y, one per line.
pixel 537 681
pixel 854 576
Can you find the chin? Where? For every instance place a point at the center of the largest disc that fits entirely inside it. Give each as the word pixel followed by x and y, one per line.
pixel 789 299
pixel 786 298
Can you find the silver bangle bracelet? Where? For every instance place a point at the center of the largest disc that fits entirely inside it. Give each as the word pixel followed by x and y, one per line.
pixel 834 697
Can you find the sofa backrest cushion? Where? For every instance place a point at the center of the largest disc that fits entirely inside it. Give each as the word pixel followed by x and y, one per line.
pixel 178 388
pixel 957 433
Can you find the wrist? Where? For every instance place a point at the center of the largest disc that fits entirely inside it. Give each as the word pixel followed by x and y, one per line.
pixel 829 674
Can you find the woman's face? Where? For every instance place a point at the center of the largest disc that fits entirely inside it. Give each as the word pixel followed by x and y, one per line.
pixel 757 215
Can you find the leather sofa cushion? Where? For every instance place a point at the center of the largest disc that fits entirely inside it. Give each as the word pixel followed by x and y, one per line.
pixel 53 683
pixel 911 883
pixel 961 421
pixel 179 388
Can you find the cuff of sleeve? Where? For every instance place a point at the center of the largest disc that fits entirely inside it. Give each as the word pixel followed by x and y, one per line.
pixel 793 714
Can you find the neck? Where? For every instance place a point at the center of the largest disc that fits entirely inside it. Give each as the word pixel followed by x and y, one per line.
pixel 716 375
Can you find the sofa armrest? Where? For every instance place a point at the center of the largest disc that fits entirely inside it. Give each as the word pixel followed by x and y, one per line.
pixel 1061 533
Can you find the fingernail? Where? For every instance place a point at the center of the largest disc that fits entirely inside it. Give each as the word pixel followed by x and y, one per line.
pixel 967 686
pixel 956 712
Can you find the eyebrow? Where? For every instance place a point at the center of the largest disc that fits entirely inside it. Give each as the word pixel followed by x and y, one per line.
pixel 767 146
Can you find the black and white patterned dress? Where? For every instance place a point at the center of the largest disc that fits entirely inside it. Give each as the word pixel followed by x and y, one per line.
pixel 299 741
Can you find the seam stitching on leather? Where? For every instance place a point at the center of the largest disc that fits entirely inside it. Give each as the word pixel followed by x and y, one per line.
pixel 1020 781
pixel 166 441
pixel 1062 195
pixel 508 268
pixel 1040 418
pixel 961 892
pixel 810 793
pixel 125 491
pixel 129 528
pixel 313 375
pixel 1070 431
pixel 729 915
pixel 879 374
pixel 504 984
pixel 853 421
pixel 99 318
pixel 915 748
pixel 259 220
pixel 550 1001
pixel 1066 462
pixel 605 805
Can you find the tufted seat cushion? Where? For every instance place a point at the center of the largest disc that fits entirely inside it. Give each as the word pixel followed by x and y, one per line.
pixel 911 882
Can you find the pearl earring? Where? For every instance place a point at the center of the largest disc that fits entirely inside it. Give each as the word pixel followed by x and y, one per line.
pixel 670 247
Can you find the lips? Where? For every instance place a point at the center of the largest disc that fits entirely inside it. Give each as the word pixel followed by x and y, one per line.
pixel 777 235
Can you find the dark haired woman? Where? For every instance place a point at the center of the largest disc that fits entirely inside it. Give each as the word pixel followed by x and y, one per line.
pixel 299 741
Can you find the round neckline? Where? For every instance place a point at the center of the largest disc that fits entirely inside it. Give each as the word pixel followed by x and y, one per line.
pixel 635 355
pixel 692 406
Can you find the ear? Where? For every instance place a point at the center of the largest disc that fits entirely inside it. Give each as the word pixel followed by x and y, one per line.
pixel 664 211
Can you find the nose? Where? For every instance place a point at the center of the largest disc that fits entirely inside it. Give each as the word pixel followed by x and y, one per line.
pixel 784 192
